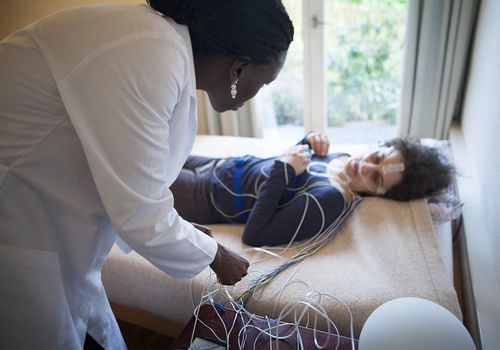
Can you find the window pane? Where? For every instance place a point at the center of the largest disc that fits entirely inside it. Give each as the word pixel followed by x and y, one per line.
pixel 287 89
pixel 364 54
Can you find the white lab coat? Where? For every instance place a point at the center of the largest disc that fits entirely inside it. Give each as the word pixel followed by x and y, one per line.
pixel 97 116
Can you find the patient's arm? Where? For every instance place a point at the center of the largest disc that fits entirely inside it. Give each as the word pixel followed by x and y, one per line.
pixel 270 225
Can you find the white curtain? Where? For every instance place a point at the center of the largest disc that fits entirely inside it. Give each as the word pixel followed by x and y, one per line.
pixel 249 121
pixel 438 40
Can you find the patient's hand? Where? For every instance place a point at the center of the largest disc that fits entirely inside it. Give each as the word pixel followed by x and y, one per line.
pixel 229 266
pixel 318 142
pixel 298 157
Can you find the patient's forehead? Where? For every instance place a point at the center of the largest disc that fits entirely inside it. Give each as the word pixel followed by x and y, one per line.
pixel 382 150
pixel 386 149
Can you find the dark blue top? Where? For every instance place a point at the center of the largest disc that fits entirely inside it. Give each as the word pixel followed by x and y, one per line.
pixel 272 200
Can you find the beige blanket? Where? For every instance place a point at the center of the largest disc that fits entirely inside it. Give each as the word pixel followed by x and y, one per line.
pixel 386 250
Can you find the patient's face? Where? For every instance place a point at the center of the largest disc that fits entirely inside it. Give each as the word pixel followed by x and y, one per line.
pixel 369 173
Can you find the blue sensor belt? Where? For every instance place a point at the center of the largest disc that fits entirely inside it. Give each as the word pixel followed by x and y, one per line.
pixel 237 187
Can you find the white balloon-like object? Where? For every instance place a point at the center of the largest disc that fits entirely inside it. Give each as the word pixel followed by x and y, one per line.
pixel 414 324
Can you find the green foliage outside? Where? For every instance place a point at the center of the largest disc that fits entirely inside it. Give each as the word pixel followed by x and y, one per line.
pixel 288 88
pixel 364 53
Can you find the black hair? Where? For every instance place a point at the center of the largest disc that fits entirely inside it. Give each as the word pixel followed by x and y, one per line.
pixel 258 29
pixel 427 171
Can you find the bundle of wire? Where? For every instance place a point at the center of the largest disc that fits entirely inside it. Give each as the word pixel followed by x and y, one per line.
pixel 277 330
pixel 308 248
pixel 227 297
pixel 305 249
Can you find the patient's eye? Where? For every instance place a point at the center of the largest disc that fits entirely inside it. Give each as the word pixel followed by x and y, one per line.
pixel 378 158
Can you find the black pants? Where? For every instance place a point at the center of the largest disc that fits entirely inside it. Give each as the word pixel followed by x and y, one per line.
pixel 191 191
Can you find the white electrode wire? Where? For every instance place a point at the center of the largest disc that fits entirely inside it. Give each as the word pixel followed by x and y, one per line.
pixel 285 169
pixel 302 190
pixel 235 307
pixel 286 284
pixel 306 206
pixel 264 251
pixel 238 309
pixel 322 312
pixel 296 189
pixel 195 314
pixel 197 319
pixel 318 234
pixel 227 216
pixel 320 210
pixel 251 195
pixel 307 303
pixel 319 310
pixel 309 247
pixel 255 195
pixel 270 338
pixel 265 331
pixel 308 251
pixel 318 241
pixel 315 173
pixel 207 295
pixel 231 216
pixel 327 235
pixel 351 319
pixel 295 324
pixel 242 340
pixel 278 293
pixel 247 325
pixel 282 250
pixel 243 331
pixel 226 332
pixel 292 240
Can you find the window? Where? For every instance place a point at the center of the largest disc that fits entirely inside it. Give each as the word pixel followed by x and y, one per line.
pixel 343 70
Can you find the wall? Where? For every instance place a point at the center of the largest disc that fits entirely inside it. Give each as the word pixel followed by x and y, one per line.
pixel 481 118
pixel 480 131
pixel 15 14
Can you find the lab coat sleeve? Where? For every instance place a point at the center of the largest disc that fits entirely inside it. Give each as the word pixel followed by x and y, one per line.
pixel 120 100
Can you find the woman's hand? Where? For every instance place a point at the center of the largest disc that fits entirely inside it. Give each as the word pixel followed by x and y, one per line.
pixel 228 266
pixel 298 157
pixel 318 142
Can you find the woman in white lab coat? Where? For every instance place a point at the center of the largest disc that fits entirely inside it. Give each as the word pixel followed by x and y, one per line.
pixel 97 116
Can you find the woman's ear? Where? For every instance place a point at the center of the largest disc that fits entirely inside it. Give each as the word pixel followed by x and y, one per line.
pixel 238 67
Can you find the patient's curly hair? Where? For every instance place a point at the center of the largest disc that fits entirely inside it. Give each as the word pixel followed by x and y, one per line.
pixel 427 171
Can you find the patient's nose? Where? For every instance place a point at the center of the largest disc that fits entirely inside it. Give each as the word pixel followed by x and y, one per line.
pixel 368 168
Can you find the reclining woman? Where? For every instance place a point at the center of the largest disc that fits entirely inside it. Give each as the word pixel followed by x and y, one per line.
pixel 306 190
